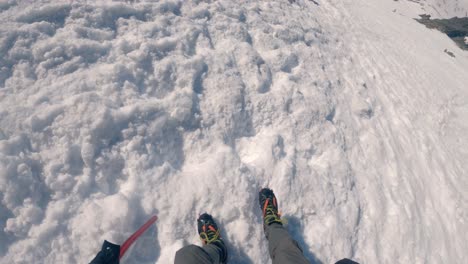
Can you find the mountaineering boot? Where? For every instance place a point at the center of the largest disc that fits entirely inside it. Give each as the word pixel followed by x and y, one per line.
pixel 210 235
pixel 269 207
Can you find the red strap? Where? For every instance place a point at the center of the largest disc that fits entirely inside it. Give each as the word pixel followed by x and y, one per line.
pixel 135 235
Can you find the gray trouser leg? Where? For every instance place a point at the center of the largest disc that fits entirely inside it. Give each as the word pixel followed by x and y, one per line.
pixel 192 254
pixel 283 249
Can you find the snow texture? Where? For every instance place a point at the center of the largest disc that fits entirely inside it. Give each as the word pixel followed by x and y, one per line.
pixel 350 111
pixel 435 8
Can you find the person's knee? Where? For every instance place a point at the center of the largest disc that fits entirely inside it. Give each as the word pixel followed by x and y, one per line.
pixel 288 251
pixel 186 254
pixel 192 254
pixel 288 245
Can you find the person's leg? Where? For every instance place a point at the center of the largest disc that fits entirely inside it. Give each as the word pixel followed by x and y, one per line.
pixel 283 249
pixel 213 251
pixel 216 252
pixel 346 261
pixel 191 254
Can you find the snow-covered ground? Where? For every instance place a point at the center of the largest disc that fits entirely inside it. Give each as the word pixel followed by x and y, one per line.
pixel 350 110
pixel 435 8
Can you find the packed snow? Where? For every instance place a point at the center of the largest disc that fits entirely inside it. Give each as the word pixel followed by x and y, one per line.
pixel 439 8
pixel 350 111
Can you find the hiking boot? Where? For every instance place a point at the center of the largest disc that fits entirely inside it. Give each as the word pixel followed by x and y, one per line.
pixel 269 207
pixel 210 235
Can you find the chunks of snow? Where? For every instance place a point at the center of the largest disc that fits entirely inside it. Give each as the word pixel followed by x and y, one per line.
pixel 112 112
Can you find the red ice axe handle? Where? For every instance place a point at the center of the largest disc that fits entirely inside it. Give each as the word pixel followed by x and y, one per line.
pixel 126 245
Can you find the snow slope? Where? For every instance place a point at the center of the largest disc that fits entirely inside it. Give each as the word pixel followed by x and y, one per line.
pixel 440 9
pixel 445 9
pixel 111 112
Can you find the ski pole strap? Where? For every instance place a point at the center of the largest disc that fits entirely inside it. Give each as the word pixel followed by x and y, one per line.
pixel 126 245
